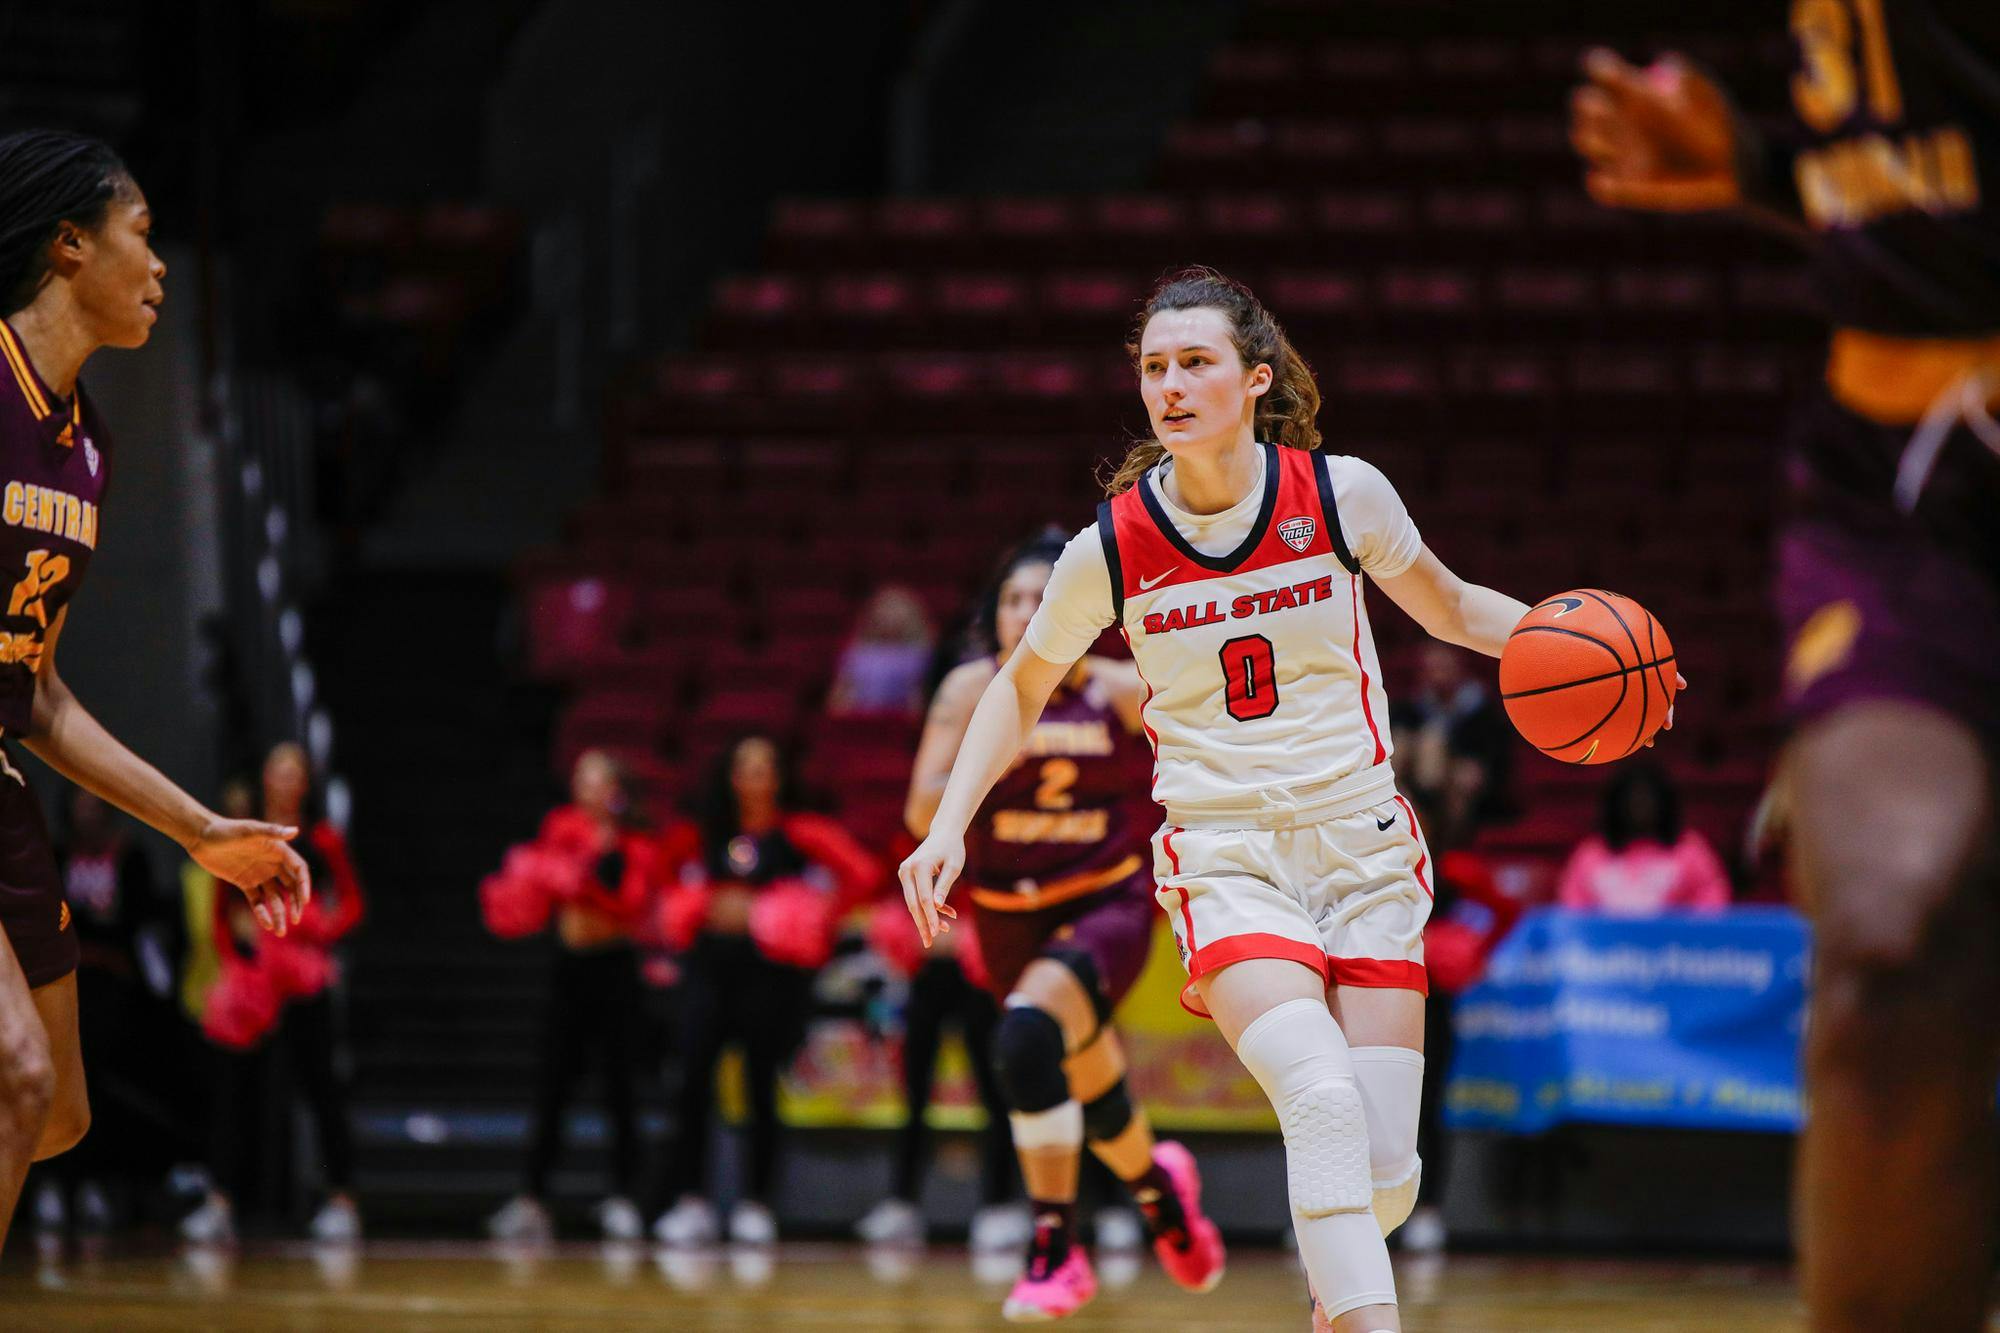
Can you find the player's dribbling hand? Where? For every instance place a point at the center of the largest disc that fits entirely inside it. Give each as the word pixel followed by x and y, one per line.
pixel 1681 683
pixel 1662 138
pixel 257 858
pixel 927 878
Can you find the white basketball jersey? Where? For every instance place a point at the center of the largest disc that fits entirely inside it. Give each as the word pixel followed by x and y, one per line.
pixel 1261 668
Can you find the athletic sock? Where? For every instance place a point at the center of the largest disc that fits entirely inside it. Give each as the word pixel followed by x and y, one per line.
pixel 1160 1205
pixel 1055 1231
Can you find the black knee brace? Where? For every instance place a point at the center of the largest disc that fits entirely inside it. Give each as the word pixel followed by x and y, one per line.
pixel 1084 969
pixel 1109 1116
pixel 1028 1060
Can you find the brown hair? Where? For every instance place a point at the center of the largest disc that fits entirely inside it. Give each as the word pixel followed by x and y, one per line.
pixel 1284 414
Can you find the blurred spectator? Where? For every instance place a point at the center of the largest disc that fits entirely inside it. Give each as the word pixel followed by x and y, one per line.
pixel 755 919
pixel 1469 917
pixel 597 874
pixel 128 938
pixel 1453 746
pixel 278 991
pixel 201 965
pixel 1641 862
pixel 883 666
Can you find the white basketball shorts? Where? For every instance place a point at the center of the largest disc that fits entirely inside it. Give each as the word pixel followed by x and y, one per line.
pixel 1347 897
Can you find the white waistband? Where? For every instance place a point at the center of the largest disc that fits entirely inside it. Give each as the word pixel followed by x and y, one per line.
pixel 1292 807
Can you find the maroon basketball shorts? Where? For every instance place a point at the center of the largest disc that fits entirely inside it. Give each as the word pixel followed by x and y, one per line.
pixel 33 911
pixel 1113 928
pixel 1880 605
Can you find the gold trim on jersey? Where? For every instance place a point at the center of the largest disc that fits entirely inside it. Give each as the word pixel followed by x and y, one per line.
pixel 24 375
pixel 1029 896
pixel 1893 380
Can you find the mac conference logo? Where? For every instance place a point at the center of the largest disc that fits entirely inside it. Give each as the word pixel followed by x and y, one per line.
pixel 1298 533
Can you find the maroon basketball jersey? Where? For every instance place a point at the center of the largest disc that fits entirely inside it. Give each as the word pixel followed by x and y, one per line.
pixel 54 460
pixel 1073 802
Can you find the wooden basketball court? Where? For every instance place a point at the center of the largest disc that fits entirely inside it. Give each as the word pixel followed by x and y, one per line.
pixel 446 1285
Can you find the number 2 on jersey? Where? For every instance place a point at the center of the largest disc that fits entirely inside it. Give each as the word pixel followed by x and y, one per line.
pixel 1251 674
pixel 1058 776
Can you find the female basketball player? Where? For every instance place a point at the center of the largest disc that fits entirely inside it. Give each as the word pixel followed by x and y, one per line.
pixel 1230 556
pixel 1061 895
pixel 77 272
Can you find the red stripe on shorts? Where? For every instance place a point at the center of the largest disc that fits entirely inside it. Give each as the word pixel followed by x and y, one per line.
pixel 1423 855
pixel 1241 948
pixel 1187 918
pixel 1380 974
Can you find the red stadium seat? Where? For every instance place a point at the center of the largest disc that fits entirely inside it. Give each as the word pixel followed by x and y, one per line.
pixel 1135 216
pixel 761 297
pixel 623 719
pixel 574 621
pixel 867 296
pixel 1315 294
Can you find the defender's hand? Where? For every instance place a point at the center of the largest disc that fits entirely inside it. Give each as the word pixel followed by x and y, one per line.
pixel 1661 139
pixel 256 857
pixel 927 878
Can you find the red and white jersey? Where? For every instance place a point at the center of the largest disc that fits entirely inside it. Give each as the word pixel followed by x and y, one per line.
pixel 1266 695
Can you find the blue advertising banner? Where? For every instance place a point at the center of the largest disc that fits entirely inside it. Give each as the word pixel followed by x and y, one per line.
pixel 1689 1022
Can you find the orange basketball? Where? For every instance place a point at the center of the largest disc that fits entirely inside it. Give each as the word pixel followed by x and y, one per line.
pixel 1587 676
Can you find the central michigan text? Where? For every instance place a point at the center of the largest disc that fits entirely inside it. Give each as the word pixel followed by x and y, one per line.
pixel 45 509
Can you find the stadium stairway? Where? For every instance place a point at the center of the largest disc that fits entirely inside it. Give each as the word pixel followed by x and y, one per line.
pixel 444 1021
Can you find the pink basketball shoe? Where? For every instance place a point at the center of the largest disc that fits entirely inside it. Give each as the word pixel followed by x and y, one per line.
pixel 1192 1252
pixel 1045 1292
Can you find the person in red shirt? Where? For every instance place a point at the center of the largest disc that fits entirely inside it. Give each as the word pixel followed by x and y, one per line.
pixel 755 920
pixel 293 979
pixel 602 877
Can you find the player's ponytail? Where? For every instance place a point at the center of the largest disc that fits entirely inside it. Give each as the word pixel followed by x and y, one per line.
pixel 1286 411
pixel 48 178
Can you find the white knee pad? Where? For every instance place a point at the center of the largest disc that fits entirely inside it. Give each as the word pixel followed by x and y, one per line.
pixel 1326 1149
pixel 1394 1203
pixel 1298 1056
pixel 1391 1079
pixel 1060 1126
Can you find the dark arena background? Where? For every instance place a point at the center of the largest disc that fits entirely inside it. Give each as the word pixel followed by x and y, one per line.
pixel 558 392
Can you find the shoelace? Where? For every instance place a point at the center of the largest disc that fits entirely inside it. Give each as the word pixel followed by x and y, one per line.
pixel 1963 400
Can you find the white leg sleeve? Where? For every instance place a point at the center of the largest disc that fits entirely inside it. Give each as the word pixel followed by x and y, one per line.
pixel 1392 1090
pixel 1061 1126
pixel 1298 1056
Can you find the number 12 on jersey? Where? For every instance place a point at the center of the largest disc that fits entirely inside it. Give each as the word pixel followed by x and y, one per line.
pixel 1251 674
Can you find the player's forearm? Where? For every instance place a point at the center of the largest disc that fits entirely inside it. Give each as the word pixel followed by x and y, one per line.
pixel 75 744
pixel 921 806
pixel 999 728
pixel 1484 618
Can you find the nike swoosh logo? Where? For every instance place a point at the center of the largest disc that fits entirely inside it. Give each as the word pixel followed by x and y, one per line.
pixel 1568 604
pixel 1146 585
pixel 1382 825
